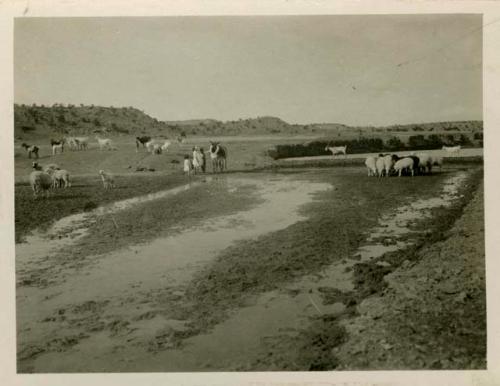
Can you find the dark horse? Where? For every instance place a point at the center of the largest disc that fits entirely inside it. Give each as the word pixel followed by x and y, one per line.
pixel 141 140
pixel 218 155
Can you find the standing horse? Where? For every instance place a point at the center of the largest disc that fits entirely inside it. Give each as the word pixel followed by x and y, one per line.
pixel 218 155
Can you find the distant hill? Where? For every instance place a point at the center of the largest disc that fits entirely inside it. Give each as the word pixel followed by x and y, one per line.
pixel 38 121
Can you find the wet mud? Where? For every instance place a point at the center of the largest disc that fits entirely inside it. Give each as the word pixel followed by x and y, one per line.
pixel 271 281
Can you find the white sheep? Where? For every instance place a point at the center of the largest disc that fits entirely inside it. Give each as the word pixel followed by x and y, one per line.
pixel 402 164
pixel 108 180
pixel 50 168
pixel 61 178
pixel 380 166
pixel 437 161
pixel 371 166
pixel 425 164
pixel 388 164
pixel 40 182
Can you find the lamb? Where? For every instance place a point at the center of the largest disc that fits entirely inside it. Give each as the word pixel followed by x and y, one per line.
pixel 61 179
pixel 404 164
pixel 380 165
pixel 371 166
pixel 108 180
pixel 425 164
pixel 388 164
pixel 437 161
pixel 49 169
pixel 40 182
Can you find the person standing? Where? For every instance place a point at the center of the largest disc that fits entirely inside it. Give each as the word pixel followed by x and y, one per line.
pixel 203 160
pixel 188 166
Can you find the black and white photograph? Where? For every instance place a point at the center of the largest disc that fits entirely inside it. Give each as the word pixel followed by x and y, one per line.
pixel 249 193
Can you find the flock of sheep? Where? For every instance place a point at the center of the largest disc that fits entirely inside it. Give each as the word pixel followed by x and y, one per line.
pixel 43 179
pixel 392 164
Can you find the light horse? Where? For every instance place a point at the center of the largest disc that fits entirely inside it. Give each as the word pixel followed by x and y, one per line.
pixel 218 155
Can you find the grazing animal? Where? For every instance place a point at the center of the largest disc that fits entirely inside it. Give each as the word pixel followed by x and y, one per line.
pixel 141 141
pixel 56 142
pixel 416 164
pixel 336 149
pixel 380 166
pixel 47 169
pixel 57 145
pixel 51 167
pixel 157 148
pixel 180 139
pixel 218 155
pixel 105 143
pixel 425 164
pixel 165 145
pixel 404 164
pixel 82 143
pixel 71 142
pixel 40 182
pixel 61 178
pixel 388 164
pixel 452 149
pixel 437 161
pixel 371 166
pixel 31 149
pixel 108 180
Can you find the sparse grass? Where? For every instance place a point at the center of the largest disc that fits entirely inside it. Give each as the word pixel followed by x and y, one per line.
pixel 85 194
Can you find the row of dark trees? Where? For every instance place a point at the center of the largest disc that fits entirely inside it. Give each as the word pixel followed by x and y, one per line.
pixel 374 145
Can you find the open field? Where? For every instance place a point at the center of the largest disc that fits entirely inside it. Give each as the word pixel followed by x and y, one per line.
pixel 240 271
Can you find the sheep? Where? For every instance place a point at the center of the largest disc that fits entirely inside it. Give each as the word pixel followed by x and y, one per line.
pixel 30 149
pixel 105 143
pixel 404 164
pixel 108 180
pixel 50 168
pixel 437 161
pixel 425 164
pixel 371 166
pixel 40 181
pixel 388 164
pixel 380 166
pixel 157 148
pixel 61 178
pixel 82 143
pixel 452 149
pixel 166 145
pixel 36 166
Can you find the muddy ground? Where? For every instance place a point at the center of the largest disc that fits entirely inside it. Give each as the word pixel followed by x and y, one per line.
pixel 293 270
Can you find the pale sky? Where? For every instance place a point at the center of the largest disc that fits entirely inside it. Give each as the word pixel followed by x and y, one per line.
pixel 356 70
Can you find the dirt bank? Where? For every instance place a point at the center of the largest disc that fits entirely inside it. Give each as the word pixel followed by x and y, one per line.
pixel 432 314
pixel 420 307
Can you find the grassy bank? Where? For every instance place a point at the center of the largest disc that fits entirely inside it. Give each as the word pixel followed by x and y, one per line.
pixel 86 193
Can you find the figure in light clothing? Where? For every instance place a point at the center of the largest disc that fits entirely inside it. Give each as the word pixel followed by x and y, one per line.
pixel 188 166
pixel 197 160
